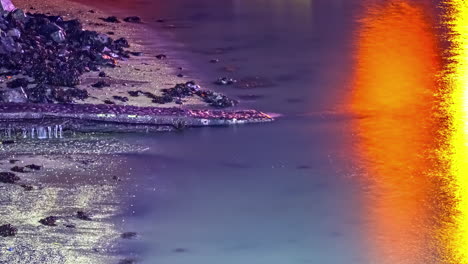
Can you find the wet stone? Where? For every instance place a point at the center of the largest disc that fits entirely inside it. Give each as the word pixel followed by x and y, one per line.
pixel 49 221
pixel 69 225
pixel 136 53
pixel 120 98
pixel 161 56
pixel 101 84
pixel 18 169
pixel 83 216
pixel 225 81
pixel 111 19
pixel 108 102
pixel 19 82
pixel 8 230
pixel 128 235
pixel 134 93
pixel 102 74
pixel 133 19
pixel 13 161
pixel 8 177
pixel 27 187
pixel 33 167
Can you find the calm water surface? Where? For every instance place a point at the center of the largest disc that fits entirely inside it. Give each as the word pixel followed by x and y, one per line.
pixel 367 164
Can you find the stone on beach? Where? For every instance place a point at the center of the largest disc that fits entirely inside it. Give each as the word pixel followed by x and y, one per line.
pixel 8 177
pixel 6 6
pixel 8 230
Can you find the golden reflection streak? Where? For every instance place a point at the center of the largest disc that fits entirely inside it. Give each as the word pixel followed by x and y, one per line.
pixel 394 89
pixel 454 235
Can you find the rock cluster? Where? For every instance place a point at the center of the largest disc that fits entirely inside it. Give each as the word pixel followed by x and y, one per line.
pixel 42 57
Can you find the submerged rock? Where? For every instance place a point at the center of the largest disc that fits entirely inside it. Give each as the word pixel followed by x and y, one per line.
pixel 128 235
pixel 83 216
pixel 8 177
pixel 49 221
pixel 133 19
pixel 8 230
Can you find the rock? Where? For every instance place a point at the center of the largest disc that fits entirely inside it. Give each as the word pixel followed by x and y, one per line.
pixel 69 225
pixel 13 96
pixel 109 102
pixel 6 6
pixel 49 221
pixel 8 230
pixel 18 169
pixel 27 187
pixel 58 36
pixel 136 53
pixel 134 93
pixel 33 167
pixel 120 98
pixel 17 15
pixel 102 74
pixel 128 235
pixel 8 177
pixel 101 84
pixel 14 33
pixel 83 216
pixel 13 161
pixel 161 56
pixel 214 60
pixel 216 99
pixel 121 43
pixel 19 82
pixel 111 19
pixel 225 81
pixel 133 19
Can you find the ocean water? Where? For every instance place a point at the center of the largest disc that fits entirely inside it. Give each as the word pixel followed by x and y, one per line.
pixel 365 163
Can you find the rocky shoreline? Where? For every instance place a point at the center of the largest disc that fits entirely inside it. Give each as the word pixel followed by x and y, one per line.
pixel 45 58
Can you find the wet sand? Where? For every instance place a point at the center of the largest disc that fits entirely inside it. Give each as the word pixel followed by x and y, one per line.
pixel 78 172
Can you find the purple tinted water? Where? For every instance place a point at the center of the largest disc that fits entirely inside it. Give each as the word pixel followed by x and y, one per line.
pixel 273 193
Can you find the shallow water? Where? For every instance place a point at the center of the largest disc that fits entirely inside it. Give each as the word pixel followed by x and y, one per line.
pixel 364 166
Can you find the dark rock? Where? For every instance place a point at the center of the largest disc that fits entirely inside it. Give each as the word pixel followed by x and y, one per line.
pixel 49 221
pixel 109 102
pixel 19 82
pixel 13 161
pixel 101 84
pixel 111 19
pixel 127 261
pixel 110 33
pixel 27 187
pixel 216 99
pixel 33 167
pixel 18 169
pixel 83 216
pixel 8 177
pixel 160 20
pixel 69 225
pixel 8 230
pixel 133 19
pixel 161 56
pixel 136 53
pixel 121 43
pixel 214 60
pixel 180 75
pixel 7 142
pixel 120 98
pixel 180 250
pixel 102 74
pixel 134 93
pixel 128 235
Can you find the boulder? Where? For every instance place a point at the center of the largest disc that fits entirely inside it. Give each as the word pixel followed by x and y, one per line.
pixel 6 6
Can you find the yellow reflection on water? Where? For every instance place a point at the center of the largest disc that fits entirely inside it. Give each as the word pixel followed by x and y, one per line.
pixel 454 235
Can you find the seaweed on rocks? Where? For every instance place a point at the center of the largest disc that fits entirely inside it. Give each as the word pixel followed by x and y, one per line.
pixel 47 55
